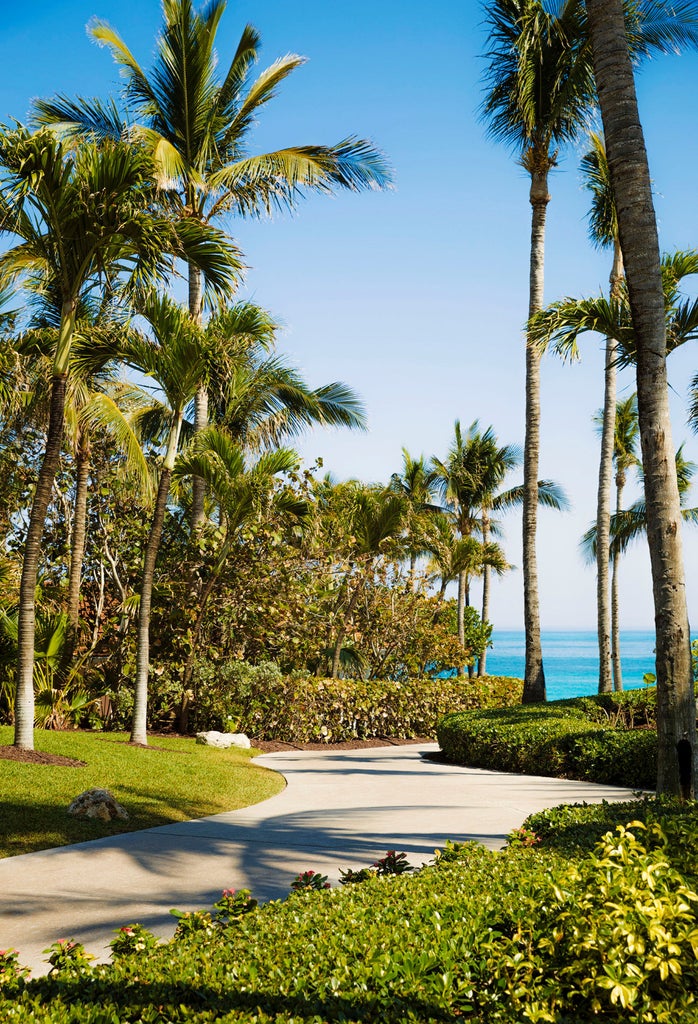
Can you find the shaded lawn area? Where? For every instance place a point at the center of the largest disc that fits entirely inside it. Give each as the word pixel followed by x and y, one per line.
pixel 171 780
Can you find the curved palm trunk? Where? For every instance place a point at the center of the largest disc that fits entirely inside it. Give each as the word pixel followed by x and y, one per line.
pixel 615 604
pixel 26 621
pixel 200 400
pixel 482 660
pixel 630 177
pixel 603 506
pixel 534 679
pixel 140 696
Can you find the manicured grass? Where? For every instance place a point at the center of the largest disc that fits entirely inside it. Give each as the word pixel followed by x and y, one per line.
pixel 172 780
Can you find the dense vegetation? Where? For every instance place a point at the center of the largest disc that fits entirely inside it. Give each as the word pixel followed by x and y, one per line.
pixel 607 738
pixel 525 934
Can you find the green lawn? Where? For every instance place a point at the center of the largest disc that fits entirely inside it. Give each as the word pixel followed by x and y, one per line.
pixel 172 780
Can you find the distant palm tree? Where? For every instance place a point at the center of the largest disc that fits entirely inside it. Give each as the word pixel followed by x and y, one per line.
pixel 196 124
pixel 416 483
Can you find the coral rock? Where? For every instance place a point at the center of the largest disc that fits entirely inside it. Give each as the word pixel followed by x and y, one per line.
pixel 223 739
pixel 97 803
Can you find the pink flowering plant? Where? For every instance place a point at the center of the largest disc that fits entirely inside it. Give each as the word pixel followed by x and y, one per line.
pixel 310 880
pixel 10 968
pixel 190 921
pixel 393 864
pixel 524 837
pixel 233 905
pixel 132 939
pixel 68 955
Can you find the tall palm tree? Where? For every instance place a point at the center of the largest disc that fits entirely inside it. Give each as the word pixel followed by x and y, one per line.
pixel 540 90
pixel 196 124
pixel 630 178
pixel 82 218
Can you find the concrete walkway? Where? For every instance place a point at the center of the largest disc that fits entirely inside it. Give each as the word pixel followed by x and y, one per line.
pixel 338 810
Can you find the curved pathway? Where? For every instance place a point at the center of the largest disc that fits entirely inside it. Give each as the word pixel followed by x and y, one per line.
pixel 339 809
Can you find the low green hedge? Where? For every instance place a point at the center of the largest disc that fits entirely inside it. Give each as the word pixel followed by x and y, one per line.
pixel 489 938
pixel 261 702
pixel 563 739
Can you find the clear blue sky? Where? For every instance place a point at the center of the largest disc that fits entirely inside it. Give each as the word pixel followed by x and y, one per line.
pixel 416 297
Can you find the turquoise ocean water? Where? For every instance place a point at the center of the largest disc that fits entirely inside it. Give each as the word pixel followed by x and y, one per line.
pixel 571 659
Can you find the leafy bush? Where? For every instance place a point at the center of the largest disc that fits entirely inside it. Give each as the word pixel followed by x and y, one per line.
pixel 261 702
pixel 561 739
pixel 493 938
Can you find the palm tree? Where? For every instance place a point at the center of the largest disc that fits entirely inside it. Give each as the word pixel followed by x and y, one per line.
pixel 630 178
pixel 416 484
pixel 196 122
pixel 175 359
pixel 82 217
pixel 540 90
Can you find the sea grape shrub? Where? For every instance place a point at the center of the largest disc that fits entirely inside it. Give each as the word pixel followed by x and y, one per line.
pixel 260 701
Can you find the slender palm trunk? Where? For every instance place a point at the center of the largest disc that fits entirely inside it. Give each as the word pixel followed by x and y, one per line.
pixel 482 660
pixel 630 178
pixel 26 622
pixel 200 400
pixel 615 604
pixel 77 552
pixel 461 616
pixel 534 680
pixel 603 506
pixel 140 696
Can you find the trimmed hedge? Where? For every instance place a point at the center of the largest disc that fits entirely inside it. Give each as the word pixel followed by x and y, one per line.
pixel 261 702
pixel 490 938
pixel 562 739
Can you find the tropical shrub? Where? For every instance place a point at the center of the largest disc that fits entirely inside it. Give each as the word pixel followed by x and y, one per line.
pixel 261 702
pixel 493 938
pixel 563 739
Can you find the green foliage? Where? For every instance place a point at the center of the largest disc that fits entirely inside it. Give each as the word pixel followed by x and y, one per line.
pixel 493 938
pixel 603 739
pixel 68 955
pixel 309 880
pixel 261 702
pixel 131 940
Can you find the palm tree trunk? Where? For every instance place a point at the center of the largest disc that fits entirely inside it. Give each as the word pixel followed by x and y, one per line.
pixel 615 604
pixel 140 694
pixel 482 660
pixel 77 552
pixel 201 399
pixel 461 616
pixel 630 178
pixel 534 679
pixel 26 621
pixel 603 519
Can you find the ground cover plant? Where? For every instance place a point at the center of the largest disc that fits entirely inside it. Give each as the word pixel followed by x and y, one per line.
pixel 521 935
pixel 174 780
pixel 607 738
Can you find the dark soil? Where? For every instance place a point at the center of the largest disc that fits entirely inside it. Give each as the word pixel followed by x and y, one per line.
pixel 39 757
pixel 272 746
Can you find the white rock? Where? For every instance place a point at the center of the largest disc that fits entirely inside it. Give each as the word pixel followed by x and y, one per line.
pixel 223 739
pixel 97 803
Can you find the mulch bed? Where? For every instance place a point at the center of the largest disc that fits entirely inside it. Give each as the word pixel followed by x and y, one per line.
pixel 272 746
pixel 39 757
